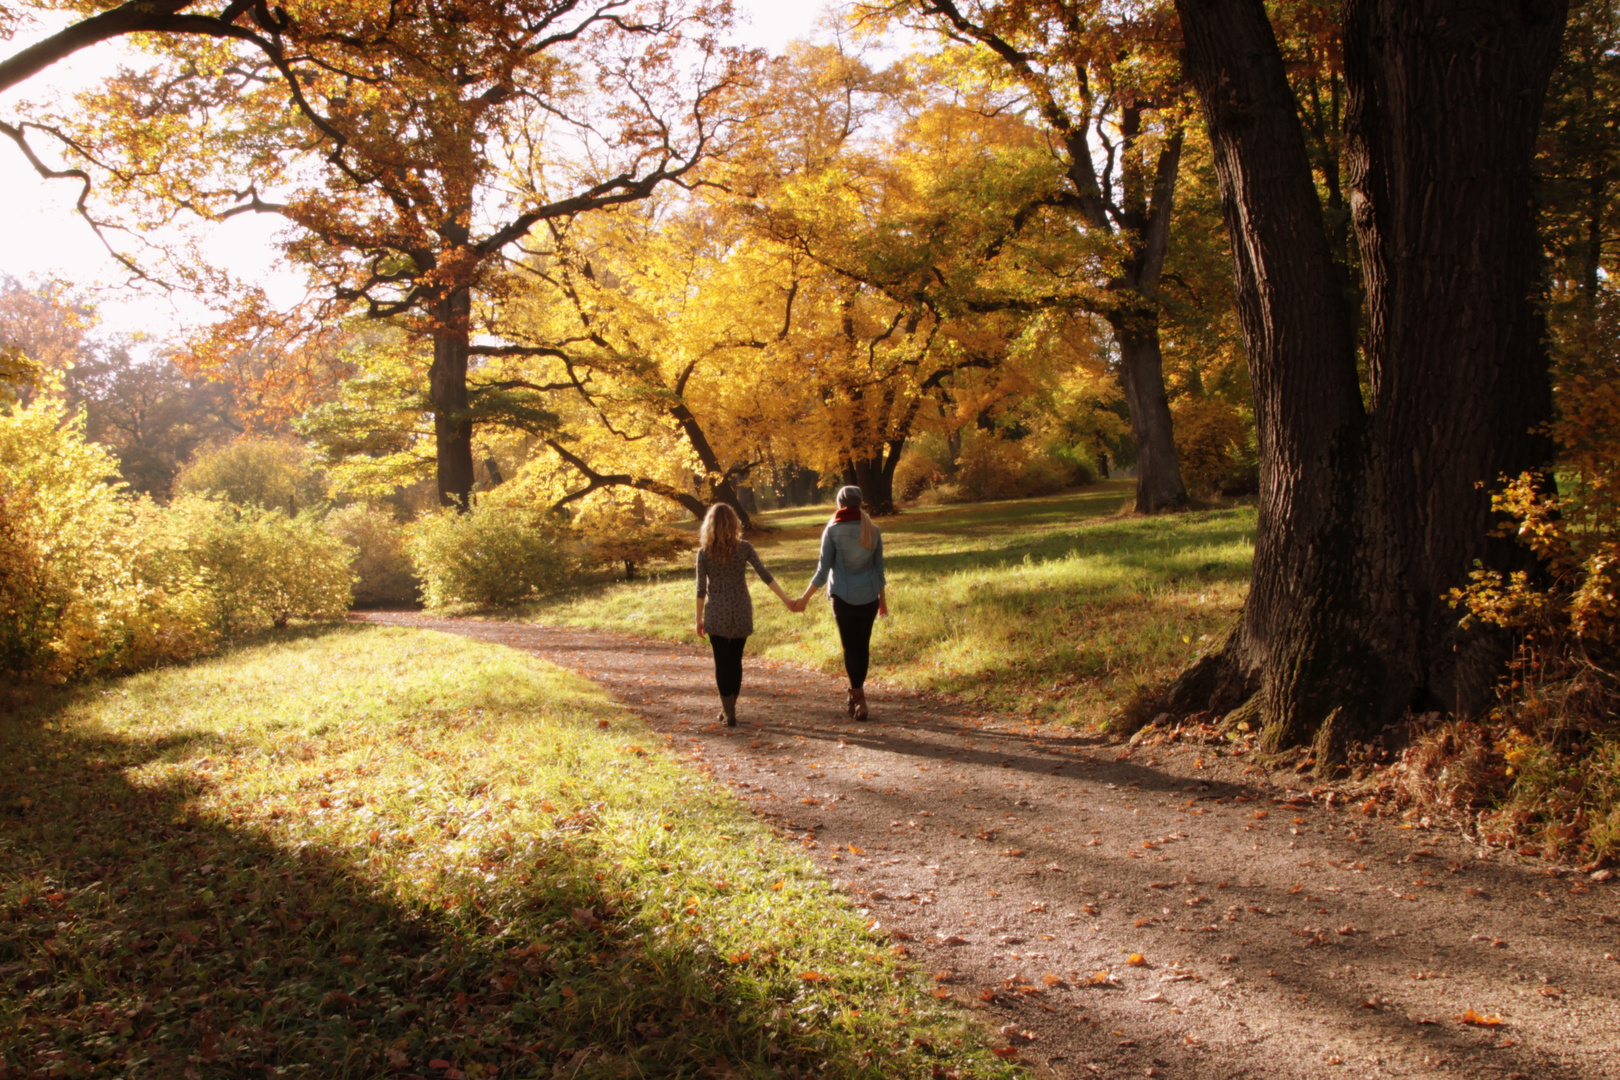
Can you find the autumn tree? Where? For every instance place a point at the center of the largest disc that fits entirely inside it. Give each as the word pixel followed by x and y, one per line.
pixel 1104 82
pixel 412 146
pixel 924 209
pixel 1371 511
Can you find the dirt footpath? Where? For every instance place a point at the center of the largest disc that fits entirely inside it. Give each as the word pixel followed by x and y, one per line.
pixel 1134 913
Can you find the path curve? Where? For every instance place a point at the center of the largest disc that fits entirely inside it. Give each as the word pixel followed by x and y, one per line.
pixel 1273 938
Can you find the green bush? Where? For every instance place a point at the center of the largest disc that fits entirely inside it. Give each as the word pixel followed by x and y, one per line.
pixel 254 472
pixel 491 556
pixel 91 580
pixel 262 567
pixel 381 563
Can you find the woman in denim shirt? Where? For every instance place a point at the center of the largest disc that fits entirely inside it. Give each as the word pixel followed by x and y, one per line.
pixel 852 553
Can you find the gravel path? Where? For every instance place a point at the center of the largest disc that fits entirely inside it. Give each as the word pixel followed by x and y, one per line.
pixel 1147 912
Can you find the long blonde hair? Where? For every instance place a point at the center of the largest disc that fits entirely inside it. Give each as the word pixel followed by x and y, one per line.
pixel 720 532
pixel 851 498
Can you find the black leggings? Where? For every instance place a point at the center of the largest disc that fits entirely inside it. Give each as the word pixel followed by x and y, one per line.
pixel 727 663
pixel 855 631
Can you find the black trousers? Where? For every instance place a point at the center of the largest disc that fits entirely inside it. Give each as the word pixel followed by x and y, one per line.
pixel 855 631
pixel 727 663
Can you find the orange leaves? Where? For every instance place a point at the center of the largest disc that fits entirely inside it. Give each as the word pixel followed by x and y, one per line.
pixel 1474 1019
pixel 814 977
pixel 1136 959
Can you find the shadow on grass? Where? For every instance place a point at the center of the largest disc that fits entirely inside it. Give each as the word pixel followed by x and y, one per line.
pixel 143 937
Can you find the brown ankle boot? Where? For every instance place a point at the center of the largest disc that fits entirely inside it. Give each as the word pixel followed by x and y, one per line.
pixel 728 710
pixel 859 698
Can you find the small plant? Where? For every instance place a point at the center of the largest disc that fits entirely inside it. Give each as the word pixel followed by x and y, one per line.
pixel 1555 736
pixel 263 567
pixel 1215 445
pixel 490 556
pixel 381 563
pixel 616 536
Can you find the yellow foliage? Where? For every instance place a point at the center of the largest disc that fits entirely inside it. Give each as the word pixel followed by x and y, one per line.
pixel 88 581
pixel 1212 440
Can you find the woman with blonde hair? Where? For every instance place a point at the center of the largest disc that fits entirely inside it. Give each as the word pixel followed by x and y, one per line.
pixel 724 610
pixel 852 555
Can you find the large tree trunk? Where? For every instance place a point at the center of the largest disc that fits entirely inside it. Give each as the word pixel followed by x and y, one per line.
pixel 1141 375
pixel 873 473
pixel 1366 521
pixel 1445 100
pixel 447 392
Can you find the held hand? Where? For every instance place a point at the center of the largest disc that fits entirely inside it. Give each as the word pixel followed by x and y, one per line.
pixel 883 609
pixel 700 628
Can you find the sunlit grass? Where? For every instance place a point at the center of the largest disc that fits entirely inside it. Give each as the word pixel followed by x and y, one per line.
pixel 373 852
pixel 1057 606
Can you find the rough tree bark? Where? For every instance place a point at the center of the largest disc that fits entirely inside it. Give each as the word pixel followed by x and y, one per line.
pixel 1368 515
pixel 874 475
pixel 1159 486
pixel 447 392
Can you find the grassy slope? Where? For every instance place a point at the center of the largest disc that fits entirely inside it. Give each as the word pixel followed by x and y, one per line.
pixel 1056 605
pixel 369 852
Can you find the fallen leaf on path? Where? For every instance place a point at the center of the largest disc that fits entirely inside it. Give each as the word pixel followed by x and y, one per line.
pixel 1469 1016
pixel 1137 960
pixel 1153 998
pixel 814 977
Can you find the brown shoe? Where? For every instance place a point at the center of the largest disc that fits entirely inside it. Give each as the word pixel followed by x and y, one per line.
pixel 849 703
pixel 728 710
pixel 859 698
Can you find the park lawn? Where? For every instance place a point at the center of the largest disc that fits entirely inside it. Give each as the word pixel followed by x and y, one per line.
pixel 368 852
pixel 1059 607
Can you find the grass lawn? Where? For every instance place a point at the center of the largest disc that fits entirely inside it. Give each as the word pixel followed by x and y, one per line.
pixel 1057 607
pixel 368 852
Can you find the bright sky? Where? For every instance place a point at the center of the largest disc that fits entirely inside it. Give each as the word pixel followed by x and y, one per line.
pixel 41 237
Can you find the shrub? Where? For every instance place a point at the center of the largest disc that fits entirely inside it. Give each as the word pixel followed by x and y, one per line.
pixel 1213 443
pixel 381 564
pixel 991 467
pixel 916 472
pixel 262 567
pixel 491 556
pixel 615 536
pixel 90 579
pixel 266 473
pixel 1556 730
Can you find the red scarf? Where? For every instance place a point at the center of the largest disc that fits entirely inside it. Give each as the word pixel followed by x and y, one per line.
pixel 847 514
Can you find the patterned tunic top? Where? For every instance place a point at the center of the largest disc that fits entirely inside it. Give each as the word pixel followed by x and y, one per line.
pixel 729 612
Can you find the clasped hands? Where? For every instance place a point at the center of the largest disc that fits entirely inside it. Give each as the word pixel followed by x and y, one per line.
pixel 797 606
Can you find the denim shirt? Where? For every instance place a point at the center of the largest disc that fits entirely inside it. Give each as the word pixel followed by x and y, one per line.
pixel 857 574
